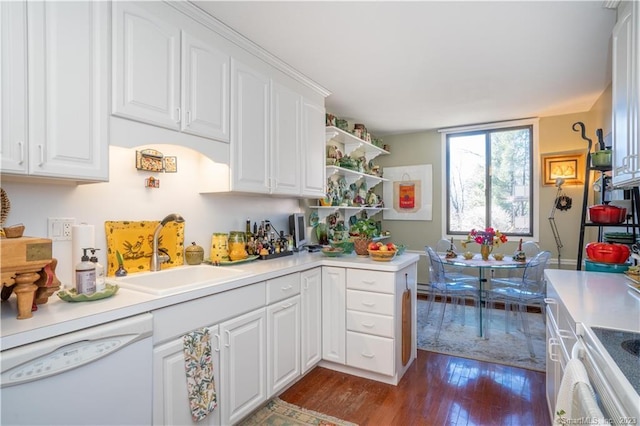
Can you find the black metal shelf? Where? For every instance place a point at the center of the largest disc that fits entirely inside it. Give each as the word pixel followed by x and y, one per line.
pixel 633 195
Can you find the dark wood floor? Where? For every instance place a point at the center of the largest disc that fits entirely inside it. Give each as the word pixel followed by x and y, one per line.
pixel 436 390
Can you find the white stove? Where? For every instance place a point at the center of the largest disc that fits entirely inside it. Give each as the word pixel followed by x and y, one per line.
pixel 612 361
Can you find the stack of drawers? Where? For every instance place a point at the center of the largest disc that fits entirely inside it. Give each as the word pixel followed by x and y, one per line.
pixel 371 320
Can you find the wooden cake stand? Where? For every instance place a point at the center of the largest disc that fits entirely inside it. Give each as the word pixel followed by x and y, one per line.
pixel 28 270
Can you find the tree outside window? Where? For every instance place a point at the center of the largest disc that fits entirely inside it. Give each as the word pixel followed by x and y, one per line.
pixel 489 180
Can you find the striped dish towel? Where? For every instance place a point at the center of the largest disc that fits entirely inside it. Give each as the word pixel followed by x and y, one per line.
pixel 199 371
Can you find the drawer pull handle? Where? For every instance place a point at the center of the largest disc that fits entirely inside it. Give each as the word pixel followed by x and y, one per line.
pixel 550 301
pixel 368 355
pixel 369 304
pixel 217 348
pixel 228 338
pixel 367 324
pixel 287 288
pixel 553 342
pixel 287 306
pixel 21 148
pixel 368 282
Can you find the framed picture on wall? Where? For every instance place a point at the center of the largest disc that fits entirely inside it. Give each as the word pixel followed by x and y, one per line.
pixel 569 166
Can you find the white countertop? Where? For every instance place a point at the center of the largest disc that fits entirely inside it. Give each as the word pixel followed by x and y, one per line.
pixel 597 299
pixel 59 317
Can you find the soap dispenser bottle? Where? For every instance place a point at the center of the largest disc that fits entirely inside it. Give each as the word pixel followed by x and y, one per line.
pixel 85 275
pixel 100 281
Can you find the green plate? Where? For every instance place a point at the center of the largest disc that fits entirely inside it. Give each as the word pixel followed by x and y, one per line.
pixel 72 296
pixel 235 262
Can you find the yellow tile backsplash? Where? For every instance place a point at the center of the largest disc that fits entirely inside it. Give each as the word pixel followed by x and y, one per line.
pixel 134 241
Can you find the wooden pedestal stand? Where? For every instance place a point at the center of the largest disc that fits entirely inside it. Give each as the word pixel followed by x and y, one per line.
pixel 27 269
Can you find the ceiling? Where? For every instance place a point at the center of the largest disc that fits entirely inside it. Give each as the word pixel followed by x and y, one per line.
pixel 402 67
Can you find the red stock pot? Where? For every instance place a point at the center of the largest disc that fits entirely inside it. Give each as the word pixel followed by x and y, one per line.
pixel 606 214
pixel 608 252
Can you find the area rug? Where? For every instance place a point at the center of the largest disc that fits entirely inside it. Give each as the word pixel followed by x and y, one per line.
pixel 463 341
pixel 280 413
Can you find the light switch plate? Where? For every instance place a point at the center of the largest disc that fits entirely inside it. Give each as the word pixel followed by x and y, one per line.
pixel 59 228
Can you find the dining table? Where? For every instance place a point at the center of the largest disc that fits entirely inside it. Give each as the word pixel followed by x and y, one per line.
pixel 507 262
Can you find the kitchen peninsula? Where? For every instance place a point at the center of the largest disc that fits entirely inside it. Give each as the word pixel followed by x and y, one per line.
pixel 346 311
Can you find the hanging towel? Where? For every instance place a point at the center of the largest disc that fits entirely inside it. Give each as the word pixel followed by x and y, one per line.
pixel 576 399
pixel 199 371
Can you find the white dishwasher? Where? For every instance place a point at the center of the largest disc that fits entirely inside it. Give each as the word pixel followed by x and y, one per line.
pixel 97 376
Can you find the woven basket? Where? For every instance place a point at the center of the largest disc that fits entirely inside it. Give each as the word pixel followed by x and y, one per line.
pixel 361 246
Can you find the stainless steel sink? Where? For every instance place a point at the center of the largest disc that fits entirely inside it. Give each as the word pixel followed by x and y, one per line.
pixel 178 279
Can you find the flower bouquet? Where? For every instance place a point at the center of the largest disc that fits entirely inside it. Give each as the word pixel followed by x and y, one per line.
pixel 487 239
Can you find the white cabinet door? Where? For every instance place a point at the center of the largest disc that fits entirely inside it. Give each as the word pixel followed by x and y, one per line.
pixel 313 150
pixel 170 396
pixel 146 64
pixel 626 164
pixel 13 87
pixel 68 89
pixel 285 165
pixel 250 129
pixel 283 344
pixel 311 318
pixel 205 89
pixel 334 314
pixel 243 365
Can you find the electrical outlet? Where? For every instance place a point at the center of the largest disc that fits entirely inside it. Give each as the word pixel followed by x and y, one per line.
pixel 59 228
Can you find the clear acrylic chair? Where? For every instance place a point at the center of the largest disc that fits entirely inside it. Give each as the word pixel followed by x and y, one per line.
pixel 453 273
pixel 455 291
pixel 527 290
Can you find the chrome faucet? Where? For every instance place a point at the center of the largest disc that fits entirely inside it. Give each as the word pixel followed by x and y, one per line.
pixel 156 257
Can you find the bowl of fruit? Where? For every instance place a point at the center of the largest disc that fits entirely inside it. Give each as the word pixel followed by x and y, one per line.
pixel 382 252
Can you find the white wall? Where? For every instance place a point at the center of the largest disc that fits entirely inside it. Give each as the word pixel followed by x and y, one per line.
pixel 125 197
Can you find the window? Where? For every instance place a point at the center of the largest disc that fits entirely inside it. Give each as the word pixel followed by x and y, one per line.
pixel 489 174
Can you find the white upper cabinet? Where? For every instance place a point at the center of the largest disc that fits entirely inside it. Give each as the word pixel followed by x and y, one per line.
pixel 13 87
pixel 286 137
pixel 250 124
pixel 168 72
pixel 146 66
pixel 205 89
pixel 67 87
pixel 277 144
pixel 626 95
pixel 313 150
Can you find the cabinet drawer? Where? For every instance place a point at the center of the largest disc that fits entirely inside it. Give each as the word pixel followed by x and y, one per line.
pixel 370 353
pixel 365 301
pixel 359 279
pixel 363 322
pixel 283 287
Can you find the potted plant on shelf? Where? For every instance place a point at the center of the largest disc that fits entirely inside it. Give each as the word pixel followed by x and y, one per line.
pixel 362 233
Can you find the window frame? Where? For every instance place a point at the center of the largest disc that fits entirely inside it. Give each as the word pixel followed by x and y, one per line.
pixel 535 172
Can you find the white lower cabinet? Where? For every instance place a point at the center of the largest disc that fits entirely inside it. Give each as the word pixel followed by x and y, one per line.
pixel 283 344
pixel 311 318
pixel 170 398
pixel 243 364
pixel 333 314
pixel 362 321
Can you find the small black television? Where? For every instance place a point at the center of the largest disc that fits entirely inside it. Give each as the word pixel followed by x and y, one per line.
pixel 298 229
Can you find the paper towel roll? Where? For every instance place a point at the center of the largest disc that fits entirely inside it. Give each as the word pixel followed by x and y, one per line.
pixel 82 236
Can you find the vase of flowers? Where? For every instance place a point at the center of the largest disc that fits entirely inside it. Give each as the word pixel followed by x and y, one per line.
pixel 487 239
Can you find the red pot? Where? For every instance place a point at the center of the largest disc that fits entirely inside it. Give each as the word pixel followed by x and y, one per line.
pixel 606 214
pixel 608 252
